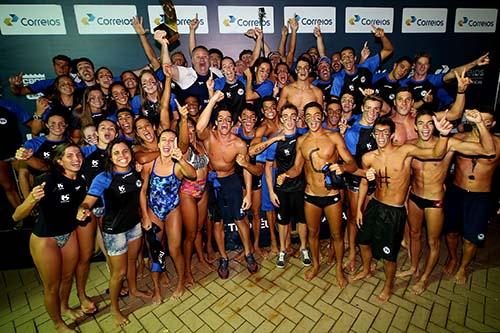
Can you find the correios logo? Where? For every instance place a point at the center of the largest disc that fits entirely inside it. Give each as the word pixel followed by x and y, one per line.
pixel 231 19
pixel 10 20
pixel 313 21
pixel 423 22
pixel 90 18
pixel 180 21
pixel 465 21
pixel 357 19
pixel 31 22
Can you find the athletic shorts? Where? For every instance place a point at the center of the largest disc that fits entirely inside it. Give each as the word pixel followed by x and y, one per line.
pixel 383 228
pixel 213 208
pixel 352 183
pixel 265 204
pixel 467 213
pixel 229 197
pixel 291 207
pixel 117 244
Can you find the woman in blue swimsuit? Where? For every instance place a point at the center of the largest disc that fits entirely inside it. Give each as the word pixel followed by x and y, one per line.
pixel 160 203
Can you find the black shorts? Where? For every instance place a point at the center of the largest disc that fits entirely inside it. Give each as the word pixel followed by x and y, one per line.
pixel 423 203
pixel 352 183
pixel 213 208
pixel 322 202
pixel 229 197
pixel 291 207
pixel 383 228
pixel 467 213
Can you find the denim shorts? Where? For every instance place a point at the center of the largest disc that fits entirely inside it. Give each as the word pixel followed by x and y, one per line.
pixel 117 244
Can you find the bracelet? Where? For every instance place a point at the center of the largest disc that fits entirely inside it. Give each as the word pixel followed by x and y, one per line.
pixel 442 135
pixel 37 117
pixel 460 92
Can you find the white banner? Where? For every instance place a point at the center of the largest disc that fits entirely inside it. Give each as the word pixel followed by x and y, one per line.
pixel 104 19
pixel 184 16
pixel 361 19
pixel 238 19
pixel 310 17
pixel 32 20
pixel 476 20
pixel 424 20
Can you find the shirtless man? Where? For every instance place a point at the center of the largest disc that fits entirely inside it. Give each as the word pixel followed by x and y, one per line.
pixel 223 148
pixel 382 226
pixel 427 189
pixel 404 117
pixel 317 154
pixel 470 201
pixel 301 92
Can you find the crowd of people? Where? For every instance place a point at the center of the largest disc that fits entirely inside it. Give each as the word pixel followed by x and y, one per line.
pixel 165 156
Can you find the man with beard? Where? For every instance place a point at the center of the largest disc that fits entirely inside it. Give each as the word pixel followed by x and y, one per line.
pixel 223 148
pixel 427 189
pixel 382 223
pixel 355 76
pixel 318 153
pixel 301 92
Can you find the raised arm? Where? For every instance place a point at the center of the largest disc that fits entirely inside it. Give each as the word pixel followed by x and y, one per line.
pixel 457 108
pixel 486 144
pixel 165 100
pixel 146 46
pixel 444 127
pixel 183 128
pixel 320 44
pixel 294 25
pixel 282 44
pixel 161 37
pixel 23 210
pixel 257 33
pixel 259 147
pixel 202 125
pixel 387 47
pixel 17 86
pixel 193 25
pixel 481 61
pixel 182 167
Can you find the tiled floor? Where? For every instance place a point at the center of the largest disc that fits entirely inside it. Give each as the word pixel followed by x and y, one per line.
pixel 275 300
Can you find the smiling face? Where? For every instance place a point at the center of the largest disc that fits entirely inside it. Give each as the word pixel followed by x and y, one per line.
pixel 214 60
pixel 403 102
pixel 104 78
pixel 95 99
pixel 314 118
pixel 303 69
pixel 262 72
pixel 424 127
pixel 166 143
pixel 65 86
pixel 121 156
pixel 125 121
pixel 269 109
pixel 71 160
pixel 324 71
pixel 106 132
pixel 333 113
pixel 371 110
pixel 56 125
pixel 61 67
pixel 422 66
pixel 85 71
pixel 149 83
pixel 336 63
pixel 200 61
pixel 401 69
pixel 248 120
pixel 145 130
pixel 289 119
pixel 282 74
pixel 382 134
pixel 129 80
pixel 347 102
pixel 193 106
pixel 90 135
pixel 348 60
pixel 120 95
pixel 229 70
pixel 224 122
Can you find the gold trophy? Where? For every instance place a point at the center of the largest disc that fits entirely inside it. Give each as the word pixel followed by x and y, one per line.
pixel 169 24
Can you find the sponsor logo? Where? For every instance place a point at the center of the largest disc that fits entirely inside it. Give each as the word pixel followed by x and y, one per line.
pixel 185 15
pixel 138 183
pixel 32 20
pixel 105 19
pixel 95 163
pixel 60 186
pixel 121 188
pixel 424 20
pixel 361 19
pixel 475 20
pixel 309 17
pixel 480 237
pixel 3 121
pixel 65 198
pixel 238 19
pixel 386 250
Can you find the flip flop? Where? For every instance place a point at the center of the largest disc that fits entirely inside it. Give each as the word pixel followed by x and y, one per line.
pixel 90 311
pixel 122 294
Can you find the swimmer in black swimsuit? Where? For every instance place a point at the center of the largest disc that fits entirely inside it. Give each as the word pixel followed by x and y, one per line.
pixel 53 244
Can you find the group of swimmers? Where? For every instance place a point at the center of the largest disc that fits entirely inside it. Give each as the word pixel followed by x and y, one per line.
pixel 179 150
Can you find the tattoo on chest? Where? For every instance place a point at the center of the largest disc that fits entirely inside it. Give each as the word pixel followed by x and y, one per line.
pixel 314 150
pixel 474 163
pixel 383 179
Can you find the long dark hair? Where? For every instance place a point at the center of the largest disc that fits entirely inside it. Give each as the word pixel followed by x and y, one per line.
pixel 58 154
pixel 109 163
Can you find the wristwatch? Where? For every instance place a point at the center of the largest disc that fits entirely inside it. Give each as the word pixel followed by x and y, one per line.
pixel 37 117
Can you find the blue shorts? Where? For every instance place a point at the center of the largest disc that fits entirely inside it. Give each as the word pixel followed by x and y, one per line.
pixel 467 213
pixel 117 244
pixel 266 205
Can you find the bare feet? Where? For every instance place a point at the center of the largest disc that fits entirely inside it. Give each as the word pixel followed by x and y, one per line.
pixel 140 293
pixel 164 281
pixel 311 273
pixel 87 306
pixel 384 296
pixel 157 298
pixel 408 272
pixel 72 314
pixel 260 252
pixel 361 275
pixel 119 319
pixel 205 265
pixel 461 276
pixel 450 266
pixel 211 257
pixel 341 280
pixel 274 251
pixel 178 292
pixel 350 266
pixel 419 287
pixel 240 256
pixel 188 280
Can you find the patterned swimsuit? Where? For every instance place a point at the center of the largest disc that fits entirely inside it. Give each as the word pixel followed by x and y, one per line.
pixel 163 193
